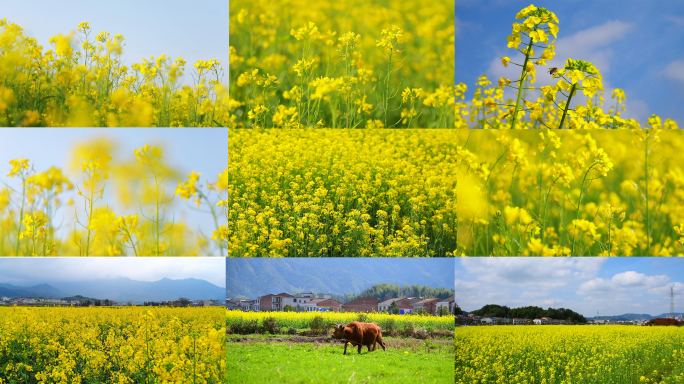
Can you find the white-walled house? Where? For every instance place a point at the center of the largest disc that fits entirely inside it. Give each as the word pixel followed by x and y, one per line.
pixel 448 303
pixel 280 300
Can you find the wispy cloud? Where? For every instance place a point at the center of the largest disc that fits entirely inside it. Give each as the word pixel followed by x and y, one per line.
pixel 675 71
pixel 28 271
pixel 625 281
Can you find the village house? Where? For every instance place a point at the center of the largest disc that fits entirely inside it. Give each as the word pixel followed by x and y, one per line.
pixel 449 303
pixel 265 303
pixel 303 298
pixel 365 304
pixel 322 305
pixel 429 305
pixel 281 300
pixel 405 304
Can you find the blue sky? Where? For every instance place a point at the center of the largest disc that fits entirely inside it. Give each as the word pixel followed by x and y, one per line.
pixel 203 150
pixel 31 271
pixel 195 30
pixel 614 286
pixel 637 46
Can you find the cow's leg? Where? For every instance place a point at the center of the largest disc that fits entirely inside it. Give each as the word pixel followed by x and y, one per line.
pixel 360 346
pixel 382 343
pixel 345 347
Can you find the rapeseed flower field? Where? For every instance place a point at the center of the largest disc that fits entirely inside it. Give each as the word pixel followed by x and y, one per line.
pixel 547 106
pixel 81 81
pixel 28 222
pixel 341 64
pixel 569 354
pixel 342 193
pixel 112 345
pixel 301 320
pixel 571 193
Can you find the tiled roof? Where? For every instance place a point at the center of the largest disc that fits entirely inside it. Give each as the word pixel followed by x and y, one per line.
pixel 390 301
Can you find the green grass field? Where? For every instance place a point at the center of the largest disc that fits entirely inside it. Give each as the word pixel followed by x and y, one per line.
pixel 403 362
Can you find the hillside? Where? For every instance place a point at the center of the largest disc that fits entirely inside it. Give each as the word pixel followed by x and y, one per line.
pixel 530 312
pixel 257 277
pixel 122 290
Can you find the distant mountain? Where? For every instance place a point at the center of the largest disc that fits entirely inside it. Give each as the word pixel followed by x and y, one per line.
pixel 40 290
pixel 257 277
pixel 122 290
pixel 633 316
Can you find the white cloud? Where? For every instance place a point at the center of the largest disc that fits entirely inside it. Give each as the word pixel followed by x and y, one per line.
pixel 674 71
pixel 625 281
pixel 664 290
pixel 532 272
pixel 677 20
pixel 635 108
pixel 466 287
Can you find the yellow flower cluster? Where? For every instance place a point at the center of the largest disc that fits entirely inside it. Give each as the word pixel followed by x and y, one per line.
pixel 330 64
pixel 302 319
pixel 569 354
pixel 342 193
pixel 112 345
pixel 488 109
pixel 562 193
pixel 89 85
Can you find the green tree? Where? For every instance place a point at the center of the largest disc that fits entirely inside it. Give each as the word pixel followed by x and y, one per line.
pixel 394 308
pixel 289 308
pixel 443 311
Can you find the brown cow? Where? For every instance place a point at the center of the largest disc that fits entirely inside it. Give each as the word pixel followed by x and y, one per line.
pixel 360 334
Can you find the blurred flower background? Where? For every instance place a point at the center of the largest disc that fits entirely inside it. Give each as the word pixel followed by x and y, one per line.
pixel 109 192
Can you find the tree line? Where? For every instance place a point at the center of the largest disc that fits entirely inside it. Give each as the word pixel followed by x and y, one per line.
pixel 386 291
pixel 529 312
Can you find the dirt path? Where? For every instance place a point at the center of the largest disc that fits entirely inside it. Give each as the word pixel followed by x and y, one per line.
pixel 330 340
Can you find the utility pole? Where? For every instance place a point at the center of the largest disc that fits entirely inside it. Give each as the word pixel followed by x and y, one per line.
pixel 672 302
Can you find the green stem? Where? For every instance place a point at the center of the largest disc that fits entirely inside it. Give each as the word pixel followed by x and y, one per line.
pixel 522 79
pixel 21 212
pixel 579 204
pixel 90 214
pixel 387 81
pixel 648 229
pixel 565 111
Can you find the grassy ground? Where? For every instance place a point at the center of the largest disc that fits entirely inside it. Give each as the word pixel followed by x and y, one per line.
pixel 404 361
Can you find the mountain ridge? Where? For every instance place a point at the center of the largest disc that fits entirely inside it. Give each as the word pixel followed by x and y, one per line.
pixel 258 277
pixel 121 289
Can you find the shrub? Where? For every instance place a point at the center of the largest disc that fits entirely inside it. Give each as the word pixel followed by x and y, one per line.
pixel 408 330
pixel 389 326
pixel 270 326
pixel 245 327
pixel 318 326
pixel 419 333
